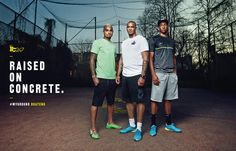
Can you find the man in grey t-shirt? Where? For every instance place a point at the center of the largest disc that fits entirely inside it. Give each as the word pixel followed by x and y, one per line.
pixel 164 78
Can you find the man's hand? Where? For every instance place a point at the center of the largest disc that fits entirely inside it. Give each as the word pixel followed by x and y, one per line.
pixel 175 71
pixel 117 79
pixel 155 80
pixel 95 81
pixel 141 81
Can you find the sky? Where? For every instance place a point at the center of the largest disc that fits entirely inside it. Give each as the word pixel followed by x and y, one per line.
pixel 81 15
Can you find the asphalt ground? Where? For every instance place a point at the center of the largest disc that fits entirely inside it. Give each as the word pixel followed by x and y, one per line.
pixel 60 122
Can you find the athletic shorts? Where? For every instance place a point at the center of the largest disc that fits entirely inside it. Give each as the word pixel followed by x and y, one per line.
pixel 105 88
pixel 167 89
pixel 131 92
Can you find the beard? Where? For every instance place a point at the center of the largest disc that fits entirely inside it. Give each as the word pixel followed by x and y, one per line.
pixel 131 33
pixel 164 31
pixel 108 36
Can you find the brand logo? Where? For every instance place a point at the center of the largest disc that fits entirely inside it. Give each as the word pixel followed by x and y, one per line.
pixel 133 43
pixel 16 49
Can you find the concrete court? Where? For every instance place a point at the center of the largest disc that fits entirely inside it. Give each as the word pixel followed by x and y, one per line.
pixel 207 119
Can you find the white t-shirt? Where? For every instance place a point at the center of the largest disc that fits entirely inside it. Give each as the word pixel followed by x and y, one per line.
pixel 131 49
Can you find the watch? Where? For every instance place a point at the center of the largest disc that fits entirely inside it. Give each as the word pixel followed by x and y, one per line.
pixel 143 76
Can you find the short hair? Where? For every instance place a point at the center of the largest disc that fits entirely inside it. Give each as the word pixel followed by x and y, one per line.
pixel 131 21
pixel 107 25
pixel 163 21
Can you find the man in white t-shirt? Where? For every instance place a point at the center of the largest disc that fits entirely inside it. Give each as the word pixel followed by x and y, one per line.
pixel 133 64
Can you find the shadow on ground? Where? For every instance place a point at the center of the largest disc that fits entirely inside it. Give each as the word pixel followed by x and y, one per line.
pixel 206 117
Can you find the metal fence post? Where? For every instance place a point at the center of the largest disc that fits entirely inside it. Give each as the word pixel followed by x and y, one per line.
pixel 14 27
pixel 35 15
pixel 232 36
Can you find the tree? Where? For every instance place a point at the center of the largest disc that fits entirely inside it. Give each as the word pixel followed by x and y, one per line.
pixel 213 14
pixel 83 46
pixel 21 4
pixel 50 26
pixel 168 9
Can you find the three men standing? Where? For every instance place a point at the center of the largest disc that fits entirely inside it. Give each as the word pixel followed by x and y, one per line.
pixel 133 64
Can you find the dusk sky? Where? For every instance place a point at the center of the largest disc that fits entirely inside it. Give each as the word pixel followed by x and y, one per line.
pixel 77 15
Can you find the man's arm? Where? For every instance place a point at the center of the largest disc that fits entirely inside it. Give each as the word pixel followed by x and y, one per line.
pixel 155 79
pixel 174 63
pixel 145 56
pixel 92 63
pixel 151 64
pixel 119 69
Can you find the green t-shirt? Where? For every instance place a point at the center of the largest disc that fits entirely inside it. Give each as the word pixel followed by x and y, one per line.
pixel 105 65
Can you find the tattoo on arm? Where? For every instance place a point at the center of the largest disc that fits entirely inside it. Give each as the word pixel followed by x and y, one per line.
pixel 144 67
pixel 93 58
pixel 120 66
pixel 151 64
pixel 145 55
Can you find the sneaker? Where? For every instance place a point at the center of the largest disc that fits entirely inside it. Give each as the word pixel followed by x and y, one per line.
pixel 94 134
pixel 153 130
pixel 113 126
pixel 137 135
pixel 127 130
pixel 172 128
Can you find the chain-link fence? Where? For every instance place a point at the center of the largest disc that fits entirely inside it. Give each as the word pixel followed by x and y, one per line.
pixel 224 39
pixel 212 61
pixel 14 26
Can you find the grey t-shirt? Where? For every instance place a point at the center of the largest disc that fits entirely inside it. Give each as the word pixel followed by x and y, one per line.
pixel 164 50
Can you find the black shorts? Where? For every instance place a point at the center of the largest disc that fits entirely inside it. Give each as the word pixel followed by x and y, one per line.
pixel 131 92
pixel 105 88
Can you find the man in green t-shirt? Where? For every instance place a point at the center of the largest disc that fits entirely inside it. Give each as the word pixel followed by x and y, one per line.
pixel 102 66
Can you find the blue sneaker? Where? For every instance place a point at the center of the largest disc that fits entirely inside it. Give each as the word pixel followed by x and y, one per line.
pixel 127 130
pixel 153 130
pixel 172 128
pixel 138 135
